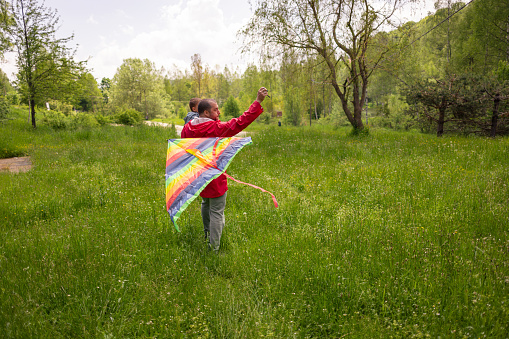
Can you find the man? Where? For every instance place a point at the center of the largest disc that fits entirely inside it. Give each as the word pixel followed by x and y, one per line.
pixel 193 105
pixel 208 125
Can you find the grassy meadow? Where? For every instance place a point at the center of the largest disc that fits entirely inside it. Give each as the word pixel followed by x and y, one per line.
pixel 386 235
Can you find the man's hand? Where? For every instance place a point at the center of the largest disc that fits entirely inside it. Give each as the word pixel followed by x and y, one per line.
pixel 262 93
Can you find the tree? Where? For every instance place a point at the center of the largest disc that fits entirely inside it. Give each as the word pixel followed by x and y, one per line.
pixel 6 21
pixel 138 85
pixel 292 112
pixel 231 108
pixel 339 32
pixel 455 99
pixel 5 84
pixel 45 64
pixel 87 94
pixel 180 84
pixel 105 89
pixel 197 72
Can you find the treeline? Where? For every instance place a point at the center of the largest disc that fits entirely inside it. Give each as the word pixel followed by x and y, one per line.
pixel 448 72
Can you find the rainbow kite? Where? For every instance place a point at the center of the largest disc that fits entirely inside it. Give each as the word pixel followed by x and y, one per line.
pixel 192 163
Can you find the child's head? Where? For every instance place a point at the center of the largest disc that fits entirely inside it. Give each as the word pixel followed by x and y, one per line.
pixel 193 104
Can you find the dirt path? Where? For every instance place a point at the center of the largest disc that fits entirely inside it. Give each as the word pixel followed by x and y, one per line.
pixel 15 165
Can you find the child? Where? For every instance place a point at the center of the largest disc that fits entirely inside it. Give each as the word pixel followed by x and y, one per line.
pixel 193 105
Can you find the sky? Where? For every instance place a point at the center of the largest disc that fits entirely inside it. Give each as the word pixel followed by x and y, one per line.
pixel 167 32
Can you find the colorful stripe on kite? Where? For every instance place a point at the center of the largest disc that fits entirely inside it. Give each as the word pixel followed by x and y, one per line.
pixel 191 164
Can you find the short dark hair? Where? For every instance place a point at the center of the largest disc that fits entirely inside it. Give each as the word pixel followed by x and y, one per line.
pixel 205 105
pixel 193 103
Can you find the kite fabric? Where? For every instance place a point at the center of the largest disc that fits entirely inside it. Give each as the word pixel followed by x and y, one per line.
pixel 192 163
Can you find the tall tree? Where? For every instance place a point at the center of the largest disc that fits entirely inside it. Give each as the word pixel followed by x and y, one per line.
pixel 197 71
pixel 87 94
pixel 139 85
pixel 45 64
pixel 338 31
pixel 6 20
pixel 105 89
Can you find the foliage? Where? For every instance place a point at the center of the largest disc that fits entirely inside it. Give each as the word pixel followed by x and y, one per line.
pixel 46 68
pixel 88 250
pixel 61 107
pixel 393 113
pixel 502 71
pixel 197 73
pixel 87 95
pixel 265 118
pixel 82 120
pixel 182 112
pixel 4 108
pixel 458 100
pixel 128 116
pixel 5 84
pixel 13 98
pixel 8 149
pixel 105 89
pixel 231 107
pixel 339 33
pixel 292 114
pixel 138 85
pixel 336 119
pixel 55 119
pixel 103 120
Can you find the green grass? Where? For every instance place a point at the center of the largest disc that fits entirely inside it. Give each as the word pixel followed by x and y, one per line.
pixel 385 235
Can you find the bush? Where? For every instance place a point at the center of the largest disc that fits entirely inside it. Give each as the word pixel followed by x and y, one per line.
pixel 102 120
pixel 61 107
pixel 4 108
pixel 13 98
pixel 54 119
pixel 82 120
pixel 128 117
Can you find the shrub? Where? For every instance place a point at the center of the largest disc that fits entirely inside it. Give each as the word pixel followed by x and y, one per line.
pixel 54 119
pixel 13 98
pixel 102 120
pixel 82 120
pixel 128 117
pixel 4 108
pixel 59 106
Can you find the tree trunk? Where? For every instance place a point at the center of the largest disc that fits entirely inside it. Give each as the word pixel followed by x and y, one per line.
pixel 32 112
pixel 441 118
pixel 31 100
pixel 330 100
pixel 494 117
pixel 310 111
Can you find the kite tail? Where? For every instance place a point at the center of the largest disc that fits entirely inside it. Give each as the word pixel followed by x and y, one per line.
pixel 261 189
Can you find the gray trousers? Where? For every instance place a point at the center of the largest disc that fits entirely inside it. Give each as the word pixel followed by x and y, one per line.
pixel 212 213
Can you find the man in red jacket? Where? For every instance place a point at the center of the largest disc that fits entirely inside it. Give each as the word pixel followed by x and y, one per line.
pixel 207 125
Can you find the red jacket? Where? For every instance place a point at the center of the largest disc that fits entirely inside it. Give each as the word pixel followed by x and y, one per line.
pixel 215 128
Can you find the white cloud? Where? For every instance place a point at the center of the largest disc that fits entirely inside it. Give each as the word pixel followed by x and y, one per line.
pixel 91 20
pixel 198 26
